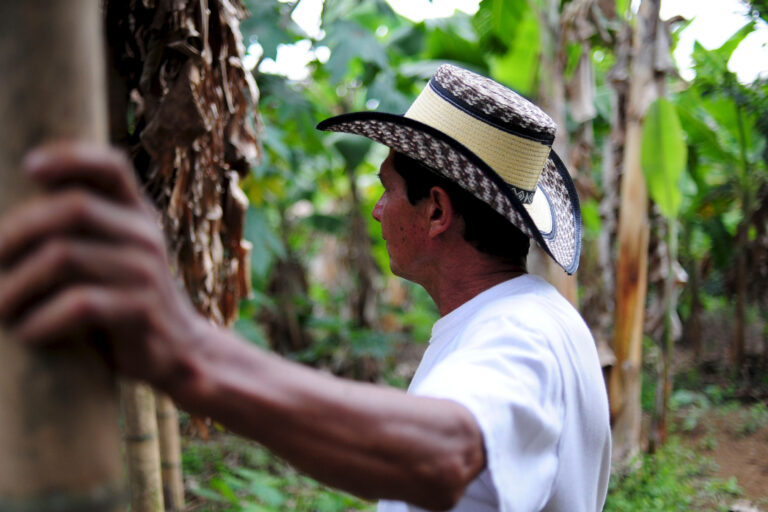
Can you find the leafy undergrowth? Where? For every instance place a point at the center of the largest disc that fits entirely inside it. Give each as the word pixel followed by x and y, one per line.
pixel 674 479
pixel 231 474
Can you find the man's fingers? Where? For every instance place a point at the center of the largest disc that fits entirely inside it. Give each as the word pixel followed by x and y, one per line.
pixel 77 213
pixel 99 168
pixel 75 311
pixel 59 263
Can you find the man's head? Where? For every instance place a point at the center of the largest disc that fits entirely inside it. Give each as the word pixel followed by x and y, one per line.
pixel 480 137
pixel 484 228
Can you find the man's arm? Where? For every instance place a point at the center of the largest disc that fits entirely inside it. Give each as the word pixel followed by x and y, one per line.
pixel 373 441
pixel 86 256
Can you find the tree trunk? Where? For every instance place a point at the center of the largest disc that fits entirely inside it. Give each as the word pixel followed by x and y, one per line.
pixel 180 103
pixel 693 324
pixel 141 446
pixel 632 270
pixel 59 435
pixel 170 453
pixel 658 433
pixel 363 299
pixel 765 341
pixel 739 331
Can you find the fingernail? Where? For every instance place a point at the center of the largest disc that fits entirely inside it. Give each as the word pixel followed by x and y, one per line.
pixel 33 160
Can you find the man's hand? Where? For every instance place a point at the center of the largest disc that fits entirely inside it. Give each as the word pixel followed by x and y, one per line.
pixel 86 257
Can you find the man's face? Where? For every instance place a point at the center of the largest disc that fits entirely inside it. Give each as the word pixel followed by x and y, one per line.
pixel 403 225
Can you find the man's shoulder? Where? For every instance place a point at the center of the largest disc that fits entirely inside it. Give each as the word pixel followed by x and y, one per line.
pixel 527 296
pixel 527 305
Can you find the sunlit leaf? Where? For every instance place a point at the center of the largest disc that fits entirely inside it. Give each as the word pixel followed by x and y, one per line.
pixel 726 49
pixel 518 67
pixel 334 10
pixel 663 156
pixel 454 39
pixel 331 224
pixel 270 25
pixel 573 55
pixel 422 69
pixel 408 39
pixel 347 40
pixel 622 8
pixel 590 215
pixel 372 14
pixel 390 99
pixel 497 19
pixel 353 149
pixel 700 127
pixel 267 244
pixel 700 243
pixel 220 485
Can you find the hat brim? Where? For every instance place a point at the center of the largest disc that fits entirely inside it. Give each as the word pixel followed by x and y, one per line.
pixel 558 233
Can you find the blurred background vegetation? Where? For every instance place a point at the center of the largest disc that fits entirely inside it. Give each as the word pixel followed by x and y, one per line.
pixel 324 295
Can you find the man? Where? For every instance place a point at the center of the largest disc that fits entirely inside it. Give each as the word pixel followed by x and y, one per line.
pixel 507 410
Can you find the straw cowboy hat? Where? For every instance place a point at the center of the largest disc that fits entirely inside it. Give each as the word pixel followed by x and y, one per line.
pixel 492 142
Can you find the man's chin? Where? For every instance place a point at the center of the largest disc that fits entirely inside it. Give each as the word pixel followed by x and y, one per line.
pixel 402 275
pixel 396 270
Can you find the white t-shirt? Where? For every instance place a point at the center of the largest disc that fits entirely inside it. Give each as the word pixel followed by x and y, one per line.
pixel 521 359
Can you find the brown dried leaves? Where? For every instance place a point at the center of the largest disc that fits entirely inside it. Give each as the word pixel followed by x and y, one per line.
pixel 191 134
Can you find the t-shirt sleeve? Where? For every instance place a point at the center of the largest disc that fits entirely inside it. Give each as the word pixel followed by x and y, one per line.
pixel 506 375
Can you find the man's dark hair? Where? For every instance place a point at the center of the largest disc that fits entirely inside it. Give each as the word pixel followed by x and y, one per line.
pixel 487 230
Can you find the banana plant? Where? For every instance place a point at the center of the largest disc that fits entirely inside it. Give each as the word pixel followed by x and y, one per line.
pixel 663 159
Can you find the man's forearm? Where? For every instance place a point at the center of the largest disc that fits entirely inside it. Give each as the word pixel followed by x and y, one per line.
pixel 370 440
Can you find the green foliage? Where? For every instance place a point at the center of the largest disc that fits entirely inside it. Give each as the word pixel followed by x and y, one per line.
pixel 366 48
pixel 340 342
pixel 708 442
pixel 352 149
pixel 454 40
pixel 696 405
pixel 263 254
pixel 270 25
pixel 726 133
pixel 717 121
pixel 420 314
pixel 752 419
pixel 231 474
pixel 590 215
pixel 663 156
pixel 517 24
pixel 496 19
pixel 673 479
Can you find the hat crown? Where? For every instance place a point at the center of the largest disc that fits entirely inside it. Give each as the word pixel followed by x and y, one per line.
pixel 494 102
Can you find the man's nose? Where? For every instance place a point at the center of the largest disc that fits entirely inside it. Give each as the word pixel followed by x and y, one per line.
pixel 376 213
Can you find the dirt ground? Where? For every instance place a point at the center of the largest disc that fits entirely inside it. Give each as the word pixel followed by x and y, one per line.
pixel 744 456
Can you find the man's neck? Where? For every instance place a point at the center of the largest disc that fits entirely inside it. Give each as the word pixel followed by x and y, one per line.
pixel 461 281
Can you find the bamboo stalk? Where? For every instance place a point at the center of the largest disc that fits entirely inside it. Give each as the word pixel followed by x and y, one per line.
pixel 170 453
pixel 59 435
pixel 141 444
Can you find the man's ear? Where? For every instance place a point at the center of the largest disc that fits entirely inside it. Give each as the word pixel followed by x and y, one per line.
pixel 440 212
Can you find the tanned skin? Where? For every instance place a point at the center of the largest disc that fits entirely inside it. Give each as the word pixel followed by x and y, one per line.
pixel 86 255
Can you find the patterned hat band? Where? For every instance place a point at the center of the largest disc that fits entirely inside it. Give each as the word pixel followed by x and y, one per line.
pixel 518 158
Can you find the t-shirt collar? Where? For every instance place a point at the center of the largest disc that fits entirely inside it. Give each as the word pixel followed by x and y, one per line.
pixel 456 317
